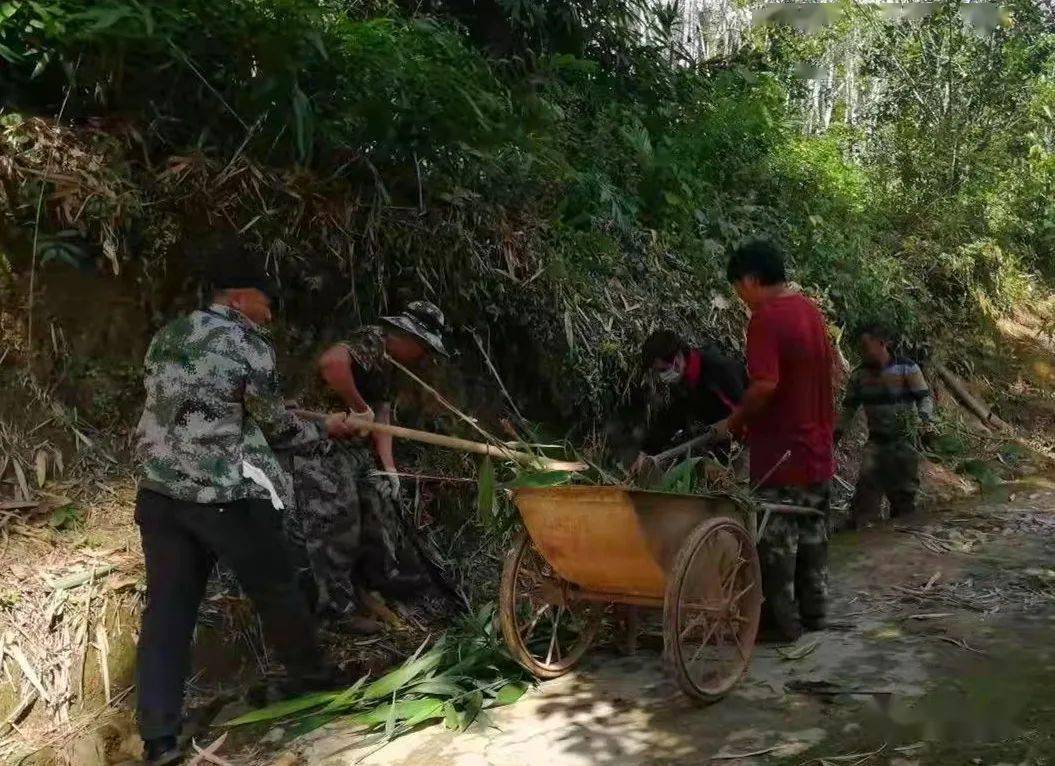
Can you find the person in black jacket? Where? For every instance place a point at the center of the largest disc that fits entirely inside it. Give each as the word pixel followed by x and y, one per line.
pixel 705 387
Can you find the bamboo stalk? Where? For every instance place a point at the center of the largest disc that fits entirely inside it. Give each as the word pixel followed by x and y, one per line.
pixel 686 447
pixel 976 406
pixel 452 442
pixel 80 578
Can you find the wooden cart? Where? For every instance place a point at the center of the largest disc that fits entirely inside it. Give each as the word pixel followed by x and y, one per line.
pixel 585 548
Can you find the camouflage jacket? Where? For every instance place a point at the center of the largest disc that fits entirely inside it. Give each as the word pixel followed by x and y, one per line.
pixel 374 374
pixel 213 401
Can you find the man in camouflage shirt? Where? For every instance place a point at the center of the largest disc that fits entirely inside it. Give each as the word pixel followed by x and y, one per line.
pixel 896 399
pixel 348 515
pixel 211 488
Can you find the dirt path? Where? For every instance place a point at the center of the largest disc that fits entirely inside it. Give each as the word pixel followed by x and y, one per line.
pixel 961 672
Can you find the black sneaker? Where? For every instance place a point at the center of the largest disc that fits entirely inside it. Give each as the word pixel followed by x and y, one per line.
pixel 404 587
pixel 162 751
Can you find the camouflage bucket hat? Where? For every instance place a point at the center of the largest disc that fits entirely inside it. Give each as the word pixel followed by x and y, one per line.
pixel 423 320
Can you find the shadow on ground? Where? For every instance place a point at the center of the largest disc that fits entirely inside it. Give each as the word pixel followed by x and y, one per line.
pixel 912 674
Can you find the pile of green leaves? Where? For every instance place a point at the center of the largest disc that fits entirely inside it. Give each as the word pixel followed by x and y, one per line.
pixel 456 679
pixel 488 485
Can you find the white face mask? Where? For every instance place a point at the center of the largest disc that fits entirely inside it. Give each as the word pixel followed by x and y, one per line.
pixel 673 374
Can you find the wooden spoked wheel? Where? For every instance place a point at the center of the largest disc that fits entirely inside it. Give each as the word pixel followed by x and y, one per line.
pixel 546 631
pixel 712 608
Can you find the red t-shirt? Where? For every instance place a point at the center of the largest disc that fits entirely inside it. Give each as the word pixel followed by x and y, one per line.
pixel 787 343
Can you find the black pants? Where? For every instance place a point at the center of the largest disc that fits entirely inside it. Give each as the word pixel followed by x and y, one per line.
pixel 181 542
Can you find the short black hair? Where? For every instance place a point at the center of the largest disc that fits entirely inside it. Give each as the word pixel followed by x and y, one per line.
pixel 234 268
pixel 759 259
pixel 662 344
pixel 877 330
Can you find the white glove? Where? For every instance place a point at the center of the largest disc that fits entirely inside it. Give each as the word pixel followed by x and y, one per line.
pixel 392 479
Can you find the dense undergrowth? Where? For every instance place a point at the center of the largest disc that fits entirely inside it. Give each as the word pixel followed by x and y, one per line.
pixel 557 184
pixel 557 175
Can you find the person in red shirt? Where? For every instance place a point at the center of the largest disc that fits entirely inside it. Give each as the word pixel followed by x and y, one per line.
pixel 787 418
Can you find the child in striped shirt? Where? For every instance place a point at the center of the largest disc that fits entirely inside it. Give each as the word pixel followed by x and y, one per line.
pixel 897 402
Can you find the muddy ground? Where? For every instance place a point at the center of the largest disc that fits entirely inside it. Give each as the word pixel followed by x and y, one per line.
pixel 940 651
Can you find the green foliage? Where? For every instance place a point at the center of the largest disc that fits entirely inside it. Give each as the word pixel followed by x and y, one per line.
pixel 539 479
pixel 573 195
pixel 464 673
pixel 980 471
pixel 949 445
pixel 485 495
pixel 681 478
pixel 64 517
pixel 523 477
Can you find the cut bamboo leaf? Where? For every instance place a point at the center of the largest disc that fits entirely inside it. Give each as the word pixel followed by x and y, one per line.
pixel 437 687
pixel 403 675
pixel 473 706
pixel 311 723
pixel 451 718
pixel 284 709
pixel 799 652
pixel 509 694
pixel 539 479
pixel 390 722
pixel 485 488
pixel 416 711
pixel 346 698
pixel 429 712
pixel 210 753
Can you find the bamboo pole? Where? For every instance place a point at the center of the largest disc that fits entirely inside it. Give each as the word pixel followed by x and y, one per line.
pixel 685 448
pixel 452 442
pixel 959 389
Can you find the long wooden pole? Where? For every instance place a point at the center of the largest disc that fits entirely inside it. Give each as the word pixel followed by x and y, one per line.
pixel 453 442
pixel 976 406
pixel 699 441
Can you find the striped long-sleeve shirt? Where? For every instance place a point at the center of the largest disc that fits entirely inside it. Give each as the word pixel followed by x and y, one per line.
pixel 895 399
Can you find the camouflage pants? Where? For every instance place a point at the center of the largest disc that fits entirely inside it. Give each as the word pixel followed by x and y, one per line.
pixel 891 470
pixel 794 556
pixel 345 527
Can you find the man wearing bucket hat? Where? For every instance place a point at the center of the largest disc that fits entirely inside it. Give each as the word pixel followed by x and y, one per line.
pixel 347 519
